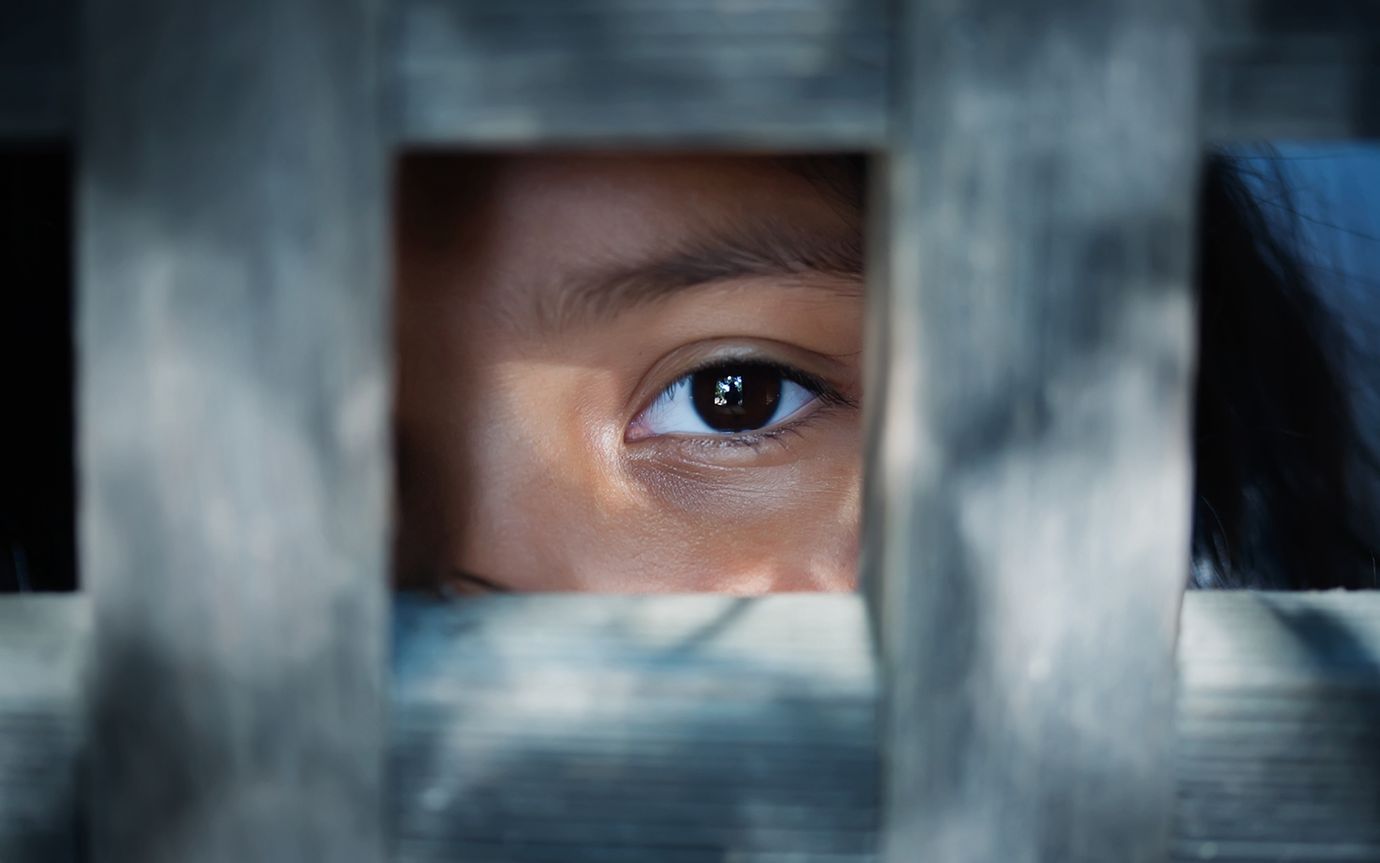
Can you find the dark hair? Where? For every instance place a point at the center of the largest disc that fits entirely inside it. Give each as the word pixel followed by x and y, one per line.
pixel 1274 431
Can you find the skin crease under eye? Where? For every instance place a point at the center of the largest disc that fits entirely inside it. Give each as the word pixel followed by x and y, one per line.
pixel 512 457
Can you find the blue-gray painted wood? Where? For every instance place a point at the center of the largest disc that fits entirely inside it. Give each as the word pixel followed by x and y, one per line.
pixel 1278 753
pixel 233 404
pixel 757 73
pixel 1277 69
pixel 37 69
pixel 42 650
pixel 752 73
pixel 618 728
pixel 568 729
pixel 1032 336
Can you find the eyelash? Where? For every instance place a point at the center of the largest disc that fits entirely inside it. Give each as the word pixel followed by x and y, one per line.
pixel 829 397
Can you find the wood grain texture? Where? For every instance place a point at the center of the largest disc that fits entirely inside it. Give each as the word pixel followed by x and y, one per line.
pixel 595 729
pixel 1279 728
pixel 1029 453
pixel 756 74
pixel 1280 69
pixel 43 641
pixel 695 729
pixel 233 406
pixel 748 74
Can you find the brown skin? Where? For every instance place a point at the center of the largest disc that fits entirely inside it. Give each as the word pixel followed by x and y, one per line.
pixel 527 457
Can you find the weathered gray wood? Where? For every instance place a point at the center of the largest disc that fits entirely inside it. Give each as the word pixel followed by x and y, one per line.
pixel 752 73
pixel 42 647
pixel 1029 466
pixel 1292 70
pixel 600 725
pixel 37 68
pixel 763 73
pixel 618 728
pixel 233 427
pixel 1279 728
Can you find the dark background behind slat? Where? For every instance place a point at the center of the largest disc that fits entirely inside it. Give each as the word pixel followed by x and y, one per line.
pixel 37 543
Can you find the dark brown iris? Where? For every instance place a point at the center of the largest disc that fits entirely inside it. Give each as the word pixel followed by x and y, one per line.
pixel 736 397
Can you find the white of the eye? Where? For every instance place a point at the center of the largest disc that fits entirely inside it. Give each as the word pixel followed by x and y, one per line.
pixel 674 411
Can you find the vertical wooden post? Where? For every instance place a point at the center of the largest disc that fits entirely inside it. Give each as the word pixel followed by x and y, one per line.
pixel 1029 474
pixel 232 408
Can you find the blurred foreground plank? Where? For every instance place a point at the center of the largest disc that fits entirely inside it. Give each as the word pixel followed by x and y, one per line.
pixel 758 73
pixel 565 728
pixel 232 381
pixel 1030 376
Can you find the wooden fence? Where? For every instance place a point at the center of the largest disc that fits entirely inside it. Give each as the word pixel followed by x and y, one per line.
pixel 1006 688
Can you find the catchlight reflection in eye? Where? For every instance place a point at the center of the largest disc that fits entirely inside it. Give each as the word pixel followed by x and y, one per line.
pixel 721 400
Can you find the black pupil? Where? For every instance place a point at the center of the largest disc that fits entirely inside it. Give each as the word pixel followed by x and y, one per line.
pixel 737 397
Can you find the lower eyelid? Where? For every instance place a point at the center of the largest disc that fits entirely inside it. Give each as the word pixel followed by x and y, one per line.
pixel 795 385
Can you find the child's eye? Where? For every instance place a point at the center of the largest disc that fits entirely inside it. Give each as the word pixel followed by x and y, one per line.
pixel 724 399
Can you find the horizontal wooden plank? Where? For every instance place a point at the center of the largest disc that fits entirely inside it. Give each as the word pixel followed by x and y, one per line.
pixel 37 69
pixel 603 728
pixel 562 728
pixel 1279 727
pixel 43 638
pixel 1285 70
pixel 752 74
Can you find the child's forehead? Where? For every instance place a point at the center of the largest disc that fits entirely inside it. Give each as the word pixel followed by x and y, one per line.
pixel 603 186
pixel 525 228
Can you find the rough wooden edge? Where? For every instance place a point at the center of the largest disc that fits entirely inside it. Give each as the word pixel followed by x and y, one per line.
pixel 233 369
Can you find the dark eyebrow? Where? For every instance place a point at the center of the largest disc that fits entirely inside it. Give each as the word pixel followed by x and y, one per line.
pixel 829 260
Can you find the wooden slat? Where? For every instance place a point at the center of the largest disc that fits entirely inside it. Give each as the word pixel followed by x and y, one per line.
pixel 573 728
pixel 1029 473
pixel 233 428
pixel 757 74
pixel 617 728
pixel 42 650
pixel 1279 728
pixel 752 73
pixel 596 722
pixel 37 69
pixel 1292 70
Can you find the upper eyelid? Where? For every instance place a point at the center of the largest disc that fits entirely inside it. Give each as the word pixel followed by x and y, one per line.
pixel 834 376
